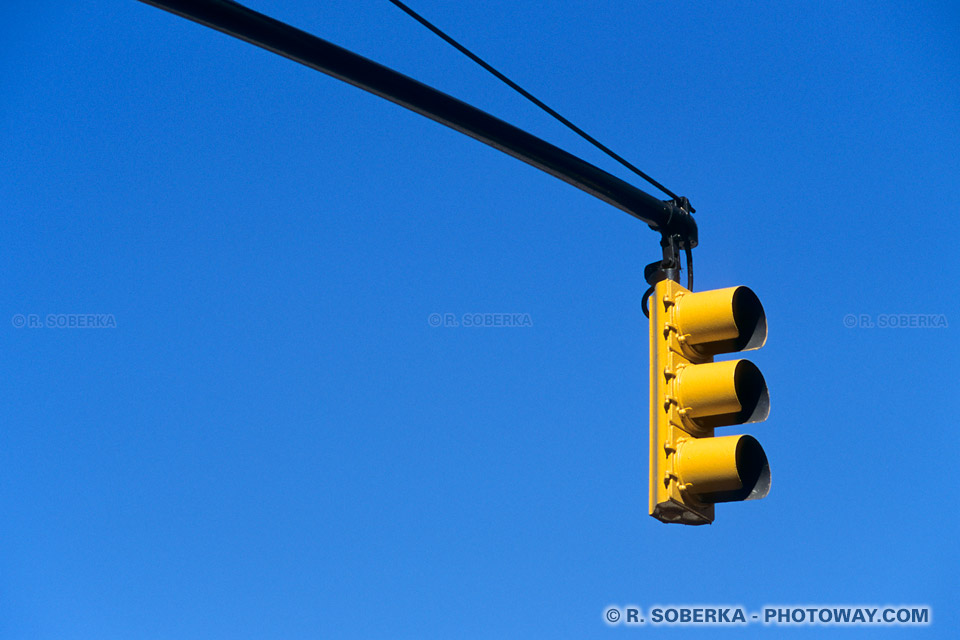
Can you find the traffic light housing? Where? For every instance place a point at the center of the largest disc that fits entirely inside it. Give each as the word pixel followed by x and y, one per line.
pixel 691 395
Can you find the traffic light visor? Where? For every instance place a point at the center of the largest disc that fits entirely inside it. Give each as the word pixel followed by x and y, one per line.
pixel 722 320
pixel 724 469
pixel 717 394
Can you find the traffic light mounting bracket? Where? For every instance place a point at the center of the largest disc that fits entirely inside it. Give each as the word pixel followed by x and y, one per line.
pixel 667 268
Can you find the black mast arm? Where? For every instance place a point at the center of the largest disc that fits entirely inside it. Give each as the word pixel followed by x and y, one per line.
pixel 668 217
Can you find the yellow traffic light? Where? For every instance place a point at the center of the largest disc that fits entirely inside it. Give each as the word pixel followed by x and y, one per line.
pixel 691 395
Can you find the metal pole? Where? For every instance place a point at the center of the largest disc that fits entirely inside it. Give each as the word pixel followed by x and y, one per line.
pixel 280 38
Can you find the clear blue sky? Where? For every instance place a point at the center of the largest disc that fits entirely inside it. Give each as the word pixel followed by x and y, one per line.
pixel 273 442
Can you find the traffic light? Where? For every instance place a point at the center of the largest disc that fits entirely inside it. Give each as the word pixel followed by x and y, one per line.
pixel 691 395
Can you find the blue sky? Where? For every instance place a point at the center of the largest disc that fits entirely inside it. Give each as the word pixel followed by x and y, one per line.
pixel 274 442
